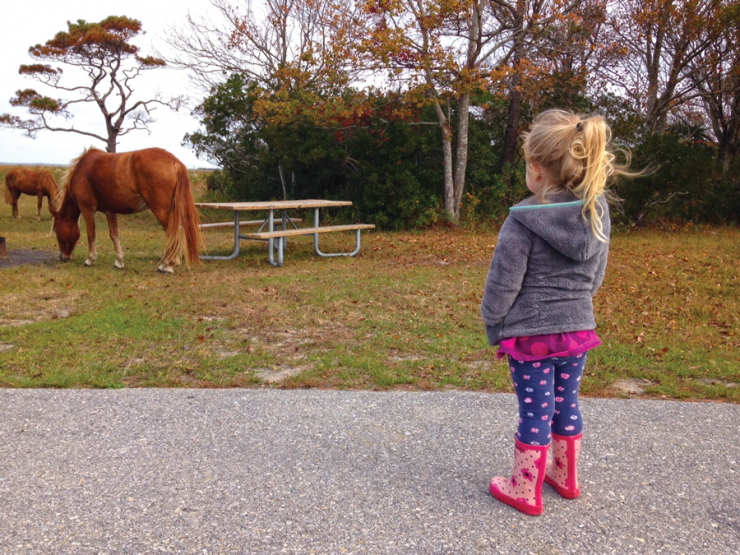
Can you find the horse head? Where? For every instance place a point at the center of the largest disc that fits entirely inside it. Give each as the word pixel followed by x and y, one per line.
pixel 67 230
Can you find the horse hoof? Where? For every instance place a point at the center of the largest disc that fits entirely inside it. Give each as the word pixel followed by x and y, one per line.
pixel 118 266
pixel 165 270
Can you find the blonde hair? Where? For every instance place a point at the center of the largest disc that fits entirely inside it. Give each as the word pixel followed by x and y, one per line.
pixel 574 151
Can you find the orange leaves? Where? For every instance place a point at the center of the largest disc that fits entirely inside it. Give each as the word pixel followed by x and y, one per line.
pixel 35 102
pixel 104 41
pixel 91 39
pixel 37 69
pixel 151 61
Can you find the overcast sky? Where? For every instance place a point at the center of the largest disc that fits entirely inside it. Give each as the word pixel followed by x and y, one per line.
pixel 28 24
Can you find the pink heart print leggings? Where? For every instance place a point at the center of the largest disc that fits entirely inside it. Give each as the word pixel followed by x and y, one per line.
pixel 548 397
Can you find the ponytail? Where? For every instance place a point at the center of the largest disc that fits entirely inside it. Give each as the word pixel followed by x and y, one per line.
pixel 590 146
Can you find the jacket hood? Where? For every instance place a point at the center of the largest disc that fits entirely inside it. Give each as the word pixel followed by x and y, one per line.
pixel 561 223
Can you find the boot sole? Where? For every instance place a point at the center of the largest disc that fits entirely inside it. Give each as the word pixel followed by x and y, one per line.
pixel 567 493
pixel 526 508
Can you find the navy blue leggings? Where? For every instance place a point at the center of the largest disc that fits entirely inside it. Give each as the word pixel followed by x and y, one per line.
pixel 548 397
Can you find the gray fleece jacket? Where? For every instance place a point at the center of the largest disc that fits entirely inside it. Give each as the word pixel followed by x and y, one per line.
pixel 545 271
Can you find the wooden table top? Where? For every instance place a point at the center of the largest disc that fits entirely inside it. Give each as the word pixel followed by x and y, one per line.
pixel 273 204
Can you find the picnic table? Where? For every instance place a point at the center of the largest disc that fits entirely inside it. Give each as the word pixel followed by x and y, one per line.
pixel 277 237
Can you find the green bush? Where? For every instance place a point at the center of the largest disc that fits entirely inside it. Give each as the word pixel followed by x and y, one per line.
pixel 686 185
pixel 392 170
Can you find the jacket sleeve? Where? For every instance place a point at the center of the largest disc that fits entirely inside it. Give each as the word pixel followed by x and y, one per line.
pixel 506 274
pixel 600 269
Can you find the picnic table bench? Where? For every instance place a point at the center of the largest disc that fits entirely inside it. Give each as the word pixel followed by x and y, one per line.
pixel 277 238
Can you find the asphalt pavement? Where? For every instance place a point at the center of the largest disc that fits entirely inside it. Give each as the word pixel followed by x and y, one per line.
pixel 252 471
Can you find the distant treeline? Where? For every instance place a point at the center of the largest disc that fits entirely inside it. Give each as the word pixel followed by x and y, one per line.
pixel 414 110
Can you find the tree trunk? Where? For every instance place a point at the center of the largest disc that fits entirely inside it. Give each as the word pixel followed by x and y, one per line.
pixel 449 184
pixel 724 157
pixel 511 137
pixel 657 112
pixel 113 130
pixel 461 158
pixel 282 181
pixel 111 143
pixel 515 104
pixel 512 125
pixel 657 107
pixel 729 145
pixel 725 122
pixel 651 119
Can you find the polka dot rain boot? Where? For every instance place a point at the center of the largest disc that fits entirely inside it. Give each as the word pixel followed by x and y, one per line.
pixel 524 490
pixel 562 470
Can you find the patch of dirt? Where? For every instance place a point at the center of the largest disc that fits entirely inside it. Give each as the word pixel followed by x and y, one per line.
pixel 9 322
pixel 287 342
pixel 25 310
pixel 53 314
pixel 709 381
pixel 279 373
pixel 632 386
pixel 6 347
pixel 21 257
pixel 226 354
pixel 133 362
pixel 396 355
pixel 480 365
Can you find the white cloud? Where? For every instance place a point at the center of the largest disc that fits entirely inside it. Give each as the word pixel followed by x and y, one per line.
pixel 48 18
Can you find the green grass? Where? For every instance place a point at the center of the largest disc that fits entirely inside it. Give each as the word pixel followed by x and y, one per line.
pixel 404 314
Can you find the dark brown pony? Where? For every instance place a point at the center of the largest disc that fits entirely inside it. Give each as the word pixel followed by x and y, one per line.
pixel 29 182
pixel 128 183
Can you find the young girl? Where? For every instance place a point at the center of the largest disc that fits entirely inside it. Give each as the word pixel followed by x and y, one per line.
pixel 537 306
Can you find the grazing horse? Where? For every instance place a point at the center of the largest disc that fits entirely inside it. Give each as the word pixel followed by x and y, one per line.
pixel 127 183
pixel 29 182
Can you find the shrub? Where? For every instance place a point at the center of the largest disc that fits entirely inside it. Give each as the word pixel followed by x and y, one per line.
pixel 687 185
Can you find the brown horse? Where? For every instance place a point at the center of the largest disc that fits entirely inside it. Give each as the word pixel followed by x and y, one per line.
pixel 29 182
pixel 128 183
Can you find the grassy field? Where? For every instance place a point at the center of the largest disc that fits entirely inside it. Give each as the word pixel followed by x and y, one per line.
pixel 402 314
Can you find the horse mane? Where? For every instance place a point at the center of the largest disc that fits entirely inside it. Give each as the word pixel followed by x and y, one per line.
pixel 50 186
pixel 69 175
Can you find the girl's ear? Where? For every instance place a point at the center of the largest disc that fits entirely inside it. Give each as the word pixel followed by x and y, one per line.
pixel 535 170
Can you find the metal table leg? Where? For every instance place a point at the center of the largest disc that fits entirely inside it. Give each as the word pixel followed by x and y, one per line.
pixel 325 254
pixel 271 243
pixel 237 237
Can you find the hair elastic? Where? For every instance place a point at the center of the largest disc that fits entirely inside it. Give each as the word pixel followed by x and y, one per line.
pixel 579 126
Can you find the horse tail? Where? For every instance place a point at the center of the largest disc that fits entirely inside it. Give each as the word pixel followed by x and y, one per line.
pixel 8 193
pixel 183 214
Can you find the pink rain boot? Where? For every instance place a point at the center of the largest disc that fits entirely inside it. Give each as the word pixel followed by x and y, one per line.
pixel 524 490
pixel 562 470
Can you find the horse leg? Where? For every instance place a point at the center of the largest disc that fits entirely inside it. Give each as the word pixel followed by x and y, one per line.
pixel 41 200
pixel 116 238
pixel 92 256
pixel 16 196
pixel 162 213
